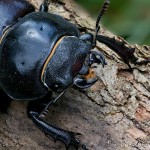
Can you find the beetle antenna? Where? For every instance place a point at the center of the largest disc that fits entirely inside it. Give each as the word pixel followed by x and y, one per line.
pixel 97 27
pixel 46 109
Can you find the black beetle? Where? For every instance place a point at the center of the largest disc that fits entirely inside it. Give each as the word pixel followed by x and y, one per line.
pixel 41 53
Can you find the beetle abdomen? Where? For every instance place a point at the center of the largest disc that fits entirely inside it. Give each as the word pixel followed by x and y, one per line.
pixel 11 11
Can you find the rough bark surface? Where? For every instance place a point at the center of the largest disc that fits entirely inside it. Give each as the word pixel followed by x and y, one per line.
pixel 114 114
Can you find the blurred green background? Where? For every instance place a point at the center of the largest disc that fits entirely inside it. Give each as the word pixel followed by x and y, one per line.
pixel 127 18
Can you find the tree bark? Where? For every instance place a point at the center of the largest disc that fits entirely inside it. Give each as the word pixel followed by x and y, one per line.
pixel 114 114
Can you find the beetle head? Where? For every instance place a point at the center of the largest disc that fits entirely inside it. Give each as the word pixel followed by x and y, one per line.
pixel 67 60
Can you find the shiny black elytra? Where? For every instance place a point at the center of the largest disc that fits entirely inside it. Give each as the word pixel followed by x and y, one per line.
pixel 42 53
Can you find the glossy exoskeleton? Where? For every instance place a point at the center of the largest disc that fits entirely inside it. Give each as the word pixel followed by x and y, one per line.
pixel 42 53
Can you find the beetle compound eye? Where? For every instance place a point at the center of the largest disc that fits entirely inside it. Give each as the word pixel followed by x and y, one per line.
pixel 77 66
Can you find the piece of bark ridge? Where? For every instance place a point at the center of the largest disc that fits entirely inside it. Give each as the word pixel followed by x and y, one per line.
pixel 114 114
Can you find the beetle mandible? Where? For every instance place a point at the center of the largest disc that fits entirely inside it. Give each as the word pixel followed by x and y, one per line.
pixel 42 53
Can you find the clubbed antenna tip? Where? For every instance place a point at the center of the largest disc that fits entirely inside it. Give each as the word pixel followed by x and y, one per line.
pixel 102 11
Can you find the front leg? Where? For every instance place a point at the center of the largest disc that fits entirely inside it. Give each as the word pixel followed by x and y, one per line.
pixel 34 112
pixel 125 52
pixel 4 101
pixel 44 6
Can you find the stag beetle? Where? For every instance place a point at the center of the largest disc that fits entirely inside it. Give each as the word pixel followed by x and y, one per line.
pixel 42 53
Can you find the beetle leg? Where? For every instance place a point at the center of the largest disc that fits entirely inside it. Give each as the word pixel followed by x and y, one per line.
pixel 126 53
pixel 68 138
pixel 4 101
pixel 44 6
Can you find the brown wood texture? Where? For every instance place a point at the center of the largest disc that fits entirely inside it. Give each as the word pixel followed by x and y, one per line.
pixel 114 114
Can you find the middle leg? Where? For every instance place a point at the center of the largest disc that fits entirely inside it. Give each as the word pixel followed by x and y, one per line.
pixel 67 137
